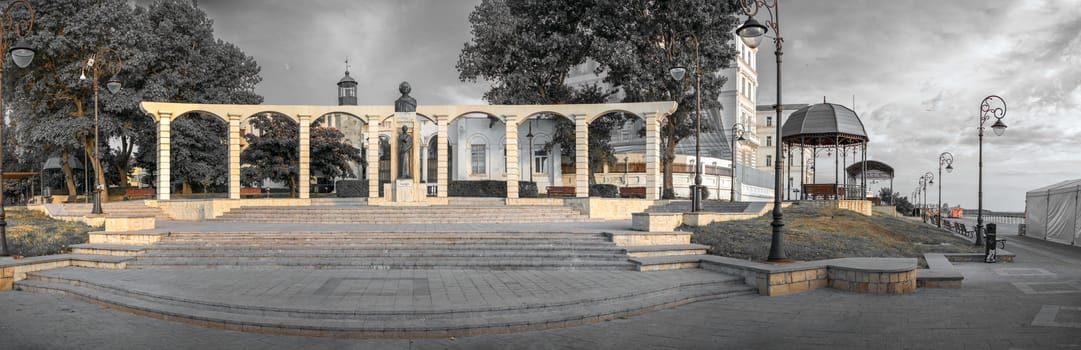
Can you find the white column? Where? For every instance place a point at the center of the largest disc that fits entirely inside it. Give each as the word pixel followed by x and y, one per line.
pixel 512 155
pixel 442 164
pixel 653 156
pixel 164 139
pixel 581 156
pixel 305 155
pixel 373 156
pixel 234 156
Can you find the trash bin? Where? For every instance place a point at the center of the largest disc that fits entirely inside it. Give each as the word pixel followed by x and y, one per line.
pixel 991 236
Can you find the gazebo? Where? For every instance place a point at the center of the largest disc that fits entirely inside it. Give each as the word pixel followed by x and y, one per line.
pixel 872 170
pixel 833 127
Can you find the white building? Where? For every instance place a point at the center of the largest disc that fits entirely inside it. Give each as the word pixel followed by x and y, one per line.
pixel 797 162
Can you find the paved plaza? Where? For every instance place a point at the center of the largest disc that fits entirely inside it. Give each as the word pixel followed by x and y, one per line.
pixel 1034 303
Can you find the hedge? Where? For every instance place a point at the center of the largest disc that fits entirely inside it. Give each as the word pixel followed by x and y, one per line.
pixel 481 188
pixel 352 188
pixel 604 191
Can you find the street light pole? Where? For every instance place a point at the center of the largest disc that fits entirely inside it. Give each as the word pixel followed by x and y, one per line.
pixel 737 136
pixel 946 158
pixel 989 107
pixel 99 60
pixel 677 72
pixel 22 54
pixel 532 157
pixel 751 33
pixel 927 179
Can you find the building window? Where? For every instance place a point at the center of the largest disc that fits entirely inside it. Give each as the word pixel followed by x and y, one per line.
pixel 769 140
pixel 540 159
pixel 476 156
pixel 769 160
pixel 769 121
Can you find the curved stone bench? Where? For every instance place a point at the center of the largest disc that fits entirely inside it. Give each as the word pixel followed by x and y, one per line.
pixel 860 275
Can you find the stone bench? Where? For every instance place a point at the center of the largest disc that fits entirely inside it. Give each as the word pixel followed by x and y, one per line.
pixel 860 275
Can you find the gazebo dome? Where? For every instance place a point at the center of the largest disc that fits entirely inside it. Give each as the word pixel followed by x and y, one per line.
pixel 347 79
pixel 824 123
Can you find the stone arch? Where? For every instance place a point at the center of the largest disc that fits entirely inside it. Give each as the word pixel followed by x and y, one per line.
pixel 180 129
pixel 591 118
pixel 297 185
pixel 354 116
pixel 537 114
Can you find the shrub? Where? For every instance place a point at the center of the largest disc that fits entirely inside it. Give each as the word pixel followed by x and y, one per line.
pixel 604 191
pixel 352 188
pixel 527 189
pixel 480 188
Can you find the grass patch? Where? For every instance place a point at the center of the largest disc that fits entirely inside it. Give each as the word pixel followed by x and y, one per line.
pixel 32 233
pixel 828 233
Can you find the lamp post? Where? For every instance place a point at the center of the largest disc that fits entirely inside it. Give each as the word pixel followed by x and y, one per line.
pixel 532 157
pixel 22 54
pixel 96 63
pixel 677 72
pixel 737 136
pixel 991 106
pixel 927 179
pixel 751 32
pixel 946 158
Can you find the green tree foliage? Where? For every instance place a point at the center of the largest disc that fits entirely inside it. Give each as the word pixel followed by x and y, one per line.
pixel 200 144
pixel 272 154
pixel 169 54
pixel 526 49
pixel 330 155
pixel 637 41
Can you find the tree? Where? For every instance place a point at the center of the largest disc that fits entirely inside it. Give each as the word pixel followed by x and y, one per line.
pixel 201 145
pixel 330 155
pixel 168 53
pixel 637 41
pixel 886 195
pixel 273 152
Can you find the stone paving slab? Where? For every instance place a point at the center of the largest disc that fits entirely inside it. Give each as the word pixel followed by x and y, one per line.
pixel 573 227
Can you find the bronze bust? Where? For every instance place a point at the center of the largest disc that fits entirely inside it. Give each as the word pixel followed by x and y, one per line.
pixel 405 103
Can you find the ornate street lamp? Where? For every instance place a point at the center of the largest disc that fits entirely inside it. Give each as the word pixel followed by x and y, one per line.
pixel 678 72
pixel 109 60
pixel 532 157
pixel 991 106
pixel 737 136
pixel 946 158
pixel 22 54
pixel 927 179
pixel 751 32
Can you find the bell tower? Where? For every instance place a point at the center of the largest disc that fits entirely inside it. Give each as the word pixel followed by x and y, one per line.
pixel 347 89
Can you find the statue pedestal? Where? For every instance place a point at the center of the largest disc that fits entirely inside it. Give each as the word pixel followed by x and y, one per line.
pixel 403 190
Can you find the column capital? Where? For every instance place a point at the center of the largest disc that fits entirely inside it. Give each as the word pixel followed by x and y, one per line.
pixel 235 117
pixel 164 115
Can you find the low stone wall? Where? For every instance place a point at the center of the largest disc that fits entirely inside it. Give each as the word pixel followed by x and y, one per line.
pixel 535 201
pixel 860 275
pixel 16 270
pixel 859 206
pixel 129 223
pixel 608 208
pixel 704 218
pixel 635 238
pixel 140 239
pixel 212 208
pixel 656 222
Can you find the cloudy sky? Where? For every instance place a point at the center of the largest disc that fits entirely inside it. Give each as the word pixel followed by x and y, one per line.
pixel 918 71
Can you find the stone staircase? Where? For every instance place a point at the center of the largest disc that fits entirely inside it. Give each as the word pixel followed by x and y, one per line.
pixel 126 208
pixel 385 250
pixel 452 214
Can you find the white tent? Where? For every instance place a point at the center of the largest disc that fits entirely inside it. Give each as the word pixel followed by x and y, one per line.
pixel 1053 212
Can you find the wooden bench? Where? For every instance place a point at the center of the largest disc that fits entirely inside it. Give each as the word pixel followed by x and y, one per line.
pixel 632 192
pixel 560 191
pixel 964 231
pixel 250 191
pixel 147 192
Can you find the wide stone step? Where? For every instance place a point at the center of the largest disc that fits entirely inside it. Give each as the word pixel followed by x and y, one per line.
pixel 376 253
pixel 385 263
pixel 384 234
pixel 444 321
pixel 388 243
pixel 339 248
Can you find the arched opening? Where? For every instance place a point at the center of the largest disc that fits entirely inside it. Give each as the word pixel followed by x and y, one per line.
pixel 617 155
pixel 338 156
pixel 199 156
pixel 426 129
pixel 477 156
pixel 270 154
